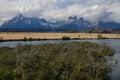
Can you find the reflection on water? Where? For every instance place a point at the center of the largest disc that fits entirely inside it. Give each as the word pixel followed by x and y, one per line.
pixel 113 43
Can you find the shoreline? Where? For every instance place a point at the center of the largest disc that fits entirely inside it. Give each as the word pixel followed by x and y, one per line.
pixel 15 36
pixel 51 39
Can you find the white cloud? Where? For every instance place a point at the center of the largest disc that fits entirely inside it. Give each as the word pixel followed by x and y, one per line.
pixel 95 7
pixel 61 9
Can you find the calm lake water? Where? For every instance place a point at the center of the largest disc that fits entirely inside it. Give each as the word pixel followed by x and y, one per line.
pixel 113 43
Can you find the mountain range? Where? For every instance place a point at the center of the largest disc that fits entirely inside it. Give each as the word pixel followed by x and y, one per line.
pixel 21 23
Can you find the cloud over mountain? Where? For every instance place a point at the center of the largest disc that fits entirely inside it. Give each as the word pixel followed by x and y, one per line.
pixel 91 10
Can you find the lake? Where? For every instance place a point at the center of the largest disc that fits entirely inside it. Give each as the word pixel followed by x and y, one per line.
pixel 113 43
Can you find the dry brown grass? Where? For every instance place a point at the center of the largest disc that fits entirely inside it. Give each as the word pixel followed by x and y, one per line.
pixel 17 36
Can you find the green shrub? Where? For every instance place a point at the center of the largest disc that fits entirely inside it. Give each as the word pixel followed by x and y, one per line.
pixel 63 61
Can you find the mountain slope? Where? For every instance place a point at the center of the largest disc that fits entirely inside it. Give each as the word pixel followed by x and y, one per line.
pixel 74 24
pixel 23 22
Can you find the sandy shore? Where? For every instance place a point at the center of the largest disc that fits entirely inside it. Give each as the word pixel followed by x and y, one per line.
pixel 17 36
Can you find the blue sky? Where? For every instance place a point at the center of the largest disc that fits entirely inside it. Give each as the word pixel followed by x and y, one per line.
pixel 91 10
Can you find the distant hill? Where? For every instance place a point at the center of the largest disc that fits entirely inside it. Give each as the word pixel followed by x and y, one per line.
pixel 22 23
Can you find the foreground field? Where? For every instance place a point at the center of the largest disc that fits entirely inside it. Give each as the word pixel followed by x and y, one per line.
pixel 63 61
pixel 17 36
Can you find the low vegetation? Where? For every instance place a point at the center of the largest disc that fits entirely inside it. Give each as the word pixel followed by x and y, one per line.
pixel 63 61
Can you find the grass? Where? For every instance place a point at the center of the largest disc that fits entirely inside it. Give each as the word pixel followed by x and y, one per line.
pixel 41 36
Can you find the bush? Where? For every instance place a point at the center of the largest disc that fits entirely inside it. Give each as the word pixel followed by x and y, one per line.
pixel 65 38
pixel 1 39
pixel 25 38
pixel 65 61
pixel 100 37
